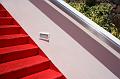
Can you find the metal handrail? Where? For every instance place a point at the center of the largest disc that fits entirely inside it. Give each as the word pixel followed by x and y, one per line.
pixel 89 24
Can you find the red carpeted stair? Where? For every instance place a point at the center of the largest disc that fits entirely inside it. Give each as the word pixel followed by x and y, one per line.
pixel 20 57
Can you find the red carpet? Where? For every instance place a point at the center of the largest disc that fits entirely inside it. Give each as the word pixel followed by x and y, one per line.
pixel 20 57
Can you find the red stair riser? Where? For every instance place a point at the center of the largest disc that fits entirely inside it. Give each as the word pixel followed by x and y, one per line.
pixel 2 8
pixel 62 77
pixel 47 74
pixel 4 13
pixel 23 32
pixel 26 71
pixel 6 21
pixel 15 23
pixel 10 30
pixel 15 41
pixel 10 56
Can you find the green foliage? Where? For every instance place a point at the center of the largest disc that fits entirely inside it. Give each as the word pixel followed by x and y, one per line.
pixel 81 7
pixel 90 2
pixel 99 14
pixel 74 1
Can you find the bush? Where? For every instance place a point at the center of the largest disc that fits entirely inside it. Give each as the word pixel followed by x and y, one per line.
pixel 81 7
pixel 98 13
pixel 74 1
pixel 90 2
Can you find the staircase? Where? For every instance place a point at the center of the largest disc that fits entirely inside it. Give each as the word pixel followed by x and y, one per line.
pixel 20 57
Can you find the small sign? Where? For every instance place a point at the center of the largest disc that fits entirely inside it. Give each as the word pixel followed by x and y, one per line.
pixel 44 36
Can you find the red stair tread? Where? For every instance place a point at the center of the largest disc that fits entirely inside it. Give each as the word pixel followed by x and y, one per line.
pixel 21 63
pixel 12 36
pixel 46 74
pixel 17 48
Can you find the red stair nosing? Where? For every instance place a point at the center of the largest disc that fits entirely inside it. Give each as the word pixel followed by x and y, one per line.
pixel 46 74
pixel 23 67
pixel 8 26
pixel 12 36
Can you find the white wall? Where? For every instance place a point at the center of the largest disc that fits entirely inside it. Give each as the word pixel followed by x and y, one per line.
pixel 0 1
pixel 72 59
